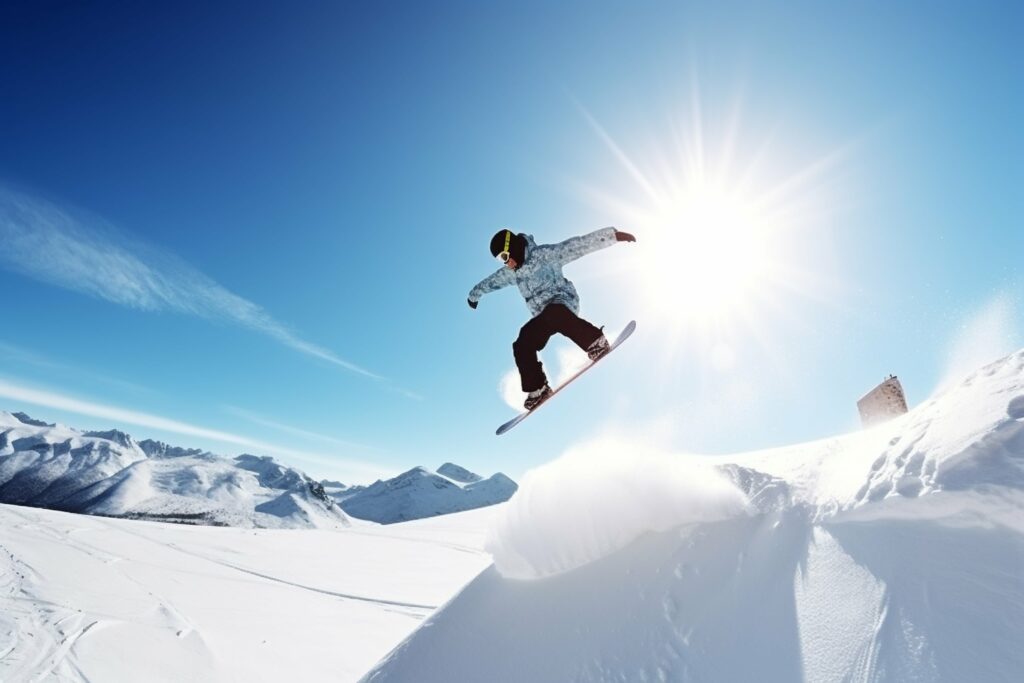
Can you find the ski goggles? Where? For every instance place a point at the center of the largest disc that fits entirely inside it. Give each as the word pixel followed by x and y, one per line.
pixel 504 255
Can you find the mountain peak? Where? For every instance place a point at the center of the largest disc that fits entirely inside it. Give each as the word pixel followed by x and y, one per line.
pixel 115 435
pixel 25 419
pixel 459 474
pixel 158 449
pixel 271 473
pixel 419 493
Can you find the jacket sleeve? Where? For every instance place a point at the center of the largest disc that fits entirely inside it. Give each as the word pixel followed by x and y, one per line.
pixel 575 247
pixel 502 277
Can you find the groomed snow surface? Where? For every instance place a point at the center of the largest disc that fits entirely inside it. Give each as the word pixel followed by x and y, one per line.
pixel 895 554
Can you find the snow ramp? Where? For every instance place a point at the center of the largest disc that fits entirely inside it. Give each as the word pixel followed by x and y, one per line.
pixel 894 554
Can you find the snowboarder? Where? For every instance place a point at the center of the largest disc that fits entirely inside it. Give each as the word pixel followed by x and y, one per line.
pixel 550 296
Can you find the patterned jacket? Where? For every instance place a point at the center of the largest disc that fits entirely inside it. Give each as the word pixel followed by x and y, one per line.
pixel 540 278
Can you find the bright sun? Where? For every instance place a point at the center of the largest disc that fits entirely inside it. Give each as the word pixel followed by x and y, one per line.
pixel 707 254
pixel 717 250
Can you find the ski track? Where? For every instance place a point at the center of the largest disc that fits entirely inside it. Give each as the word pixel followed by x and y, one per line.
pixel 323 591
pixel 39 637
pixel 42 637
pixel 267 577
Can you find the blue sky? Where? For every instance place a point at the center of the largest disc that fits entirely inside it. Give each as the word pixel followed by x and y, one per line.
pixel 252 227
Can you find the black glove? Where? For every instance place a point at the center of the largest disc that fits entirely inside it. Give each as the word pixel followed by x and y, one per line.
pixel 624 237
pixel 472 304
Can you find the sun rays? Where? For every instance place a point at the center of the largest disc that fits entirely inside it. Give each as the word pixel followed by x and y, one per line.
pixel 721 223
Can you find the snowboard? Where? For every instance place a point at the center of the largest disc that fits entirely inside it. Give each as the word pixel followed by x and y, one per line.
pixel 623 336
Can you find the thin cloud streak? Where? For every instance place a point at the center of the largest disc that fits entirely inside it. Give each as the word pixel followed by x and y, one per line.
pixel 48 244
pixel 50 399
pixel 17 354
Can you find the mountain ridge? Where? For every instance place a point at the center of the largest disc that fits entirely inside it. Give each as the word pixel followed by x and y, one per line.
pixel 109 473
pixel 419 493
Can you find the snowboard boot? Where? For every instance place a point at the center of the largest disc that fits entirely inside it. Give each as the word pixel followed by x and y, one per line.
pixel 535 398
pixel 598 348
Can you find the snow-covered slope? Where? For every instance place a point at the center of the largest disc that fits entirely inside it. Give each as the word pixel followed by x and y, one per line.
pixel 895 554
pixel 108 473
pixel 96 599
pixel 421 493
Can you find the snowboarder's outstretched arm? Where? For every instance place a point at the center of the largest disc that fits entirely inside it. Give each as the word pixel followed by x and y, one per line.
pixel 503 277
pixel 575 247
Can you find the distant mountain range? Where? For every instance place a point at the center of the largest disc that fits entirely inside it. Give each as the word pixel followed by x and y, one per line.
pixel 109 473
pixel 421 493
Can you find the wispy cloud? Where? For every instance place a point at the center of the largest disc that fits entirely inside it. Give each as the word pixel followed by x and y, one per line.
pixel 16 354
pixel 85 254
pixel 353 470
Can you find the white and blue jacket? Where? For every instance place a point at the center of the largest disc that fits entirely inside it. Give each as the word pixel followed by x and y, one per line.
pixel 540 278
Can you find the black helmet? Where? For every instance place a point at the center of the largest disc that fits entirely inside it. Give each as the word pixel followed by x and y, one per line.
pixel 506 241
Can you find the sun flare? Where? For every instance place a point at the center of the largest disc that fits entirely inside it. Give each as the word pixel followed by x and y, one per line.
pixel 707 253
pixel 722 251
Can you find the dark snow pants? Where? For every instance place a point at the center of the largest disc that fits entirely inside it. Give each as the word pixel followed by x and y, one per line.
pixel 534 336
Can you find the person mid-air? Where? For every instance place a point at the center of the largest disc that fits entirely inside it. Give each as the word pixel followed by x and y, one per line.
pixel 550 296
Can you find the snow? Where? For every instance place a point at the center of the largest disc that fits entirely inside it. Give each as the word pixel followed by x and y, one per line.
pixel 88 598
pixel 967 444
pixel 108 473
pixel 420 493
pixel 839 605
pixel 890 554
pixel 893 554
pixel 457 473
pixel 585 505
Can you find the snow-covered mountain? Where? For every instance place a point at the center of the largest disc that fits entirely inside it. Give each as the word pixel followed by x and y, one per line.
pixel 893 554
pixel 108 473
pixel 421 493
